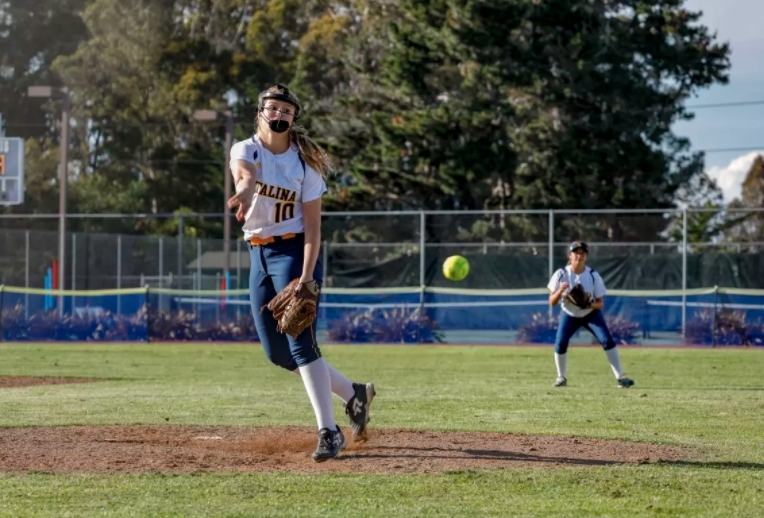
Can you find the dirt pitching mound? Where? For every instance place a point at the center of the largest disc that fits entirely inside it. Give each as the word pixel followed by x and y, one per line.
pixel 30 381
pixel 177 449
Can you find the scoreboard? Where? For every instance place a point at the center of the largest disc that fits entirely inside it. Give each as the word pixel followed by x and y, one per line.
pixel 11 171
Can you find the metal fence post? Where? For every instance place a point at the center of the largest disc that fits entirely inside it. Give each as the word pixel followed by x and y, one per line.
pixel 422 266
pixel 217 304
pixel 26 274
pixel 199 262
pixel 684 273
pixel 74 269
pixel 119 273
pixel 238 276
pixel 119 261
pixel 422 246
pixel 161 262
pixel 147 305
pixel 325 264
pixel 180 252
pixel 160 301
pixel 2 292
pixel 199 285
pixel 74 261
pixel 238 265
pixel 713 318
pixel 550 268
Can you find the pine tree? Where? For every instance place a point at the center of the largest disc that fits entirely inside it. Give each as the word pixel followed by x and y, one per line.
pixel 751 222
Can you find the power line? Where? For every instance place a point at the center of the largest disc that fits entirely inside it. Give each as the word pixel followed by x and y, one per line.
pixel 129 124
pixel 725 105
pixel 241 124
pixel 245 122
pixel 732 149
pixel 706 151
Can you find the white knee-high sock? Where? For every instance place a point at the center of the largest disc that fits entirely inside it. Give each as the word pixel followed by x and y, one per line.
pixel 615 361
pixel 315 377
pixel 561 360
pixel 341 386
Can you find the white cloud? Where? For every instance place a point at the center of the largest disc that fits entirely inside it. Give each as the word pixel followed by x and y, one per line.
pixel 730 177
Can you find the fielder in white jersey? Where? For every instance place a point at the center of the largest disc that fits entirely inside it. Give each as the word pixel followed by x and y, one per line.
pixel 590 280
pixel 279 176
pixel 574 317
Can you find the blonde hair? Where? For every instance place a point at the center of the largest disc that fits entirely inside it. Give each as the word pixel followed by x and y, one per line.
pixel 313 154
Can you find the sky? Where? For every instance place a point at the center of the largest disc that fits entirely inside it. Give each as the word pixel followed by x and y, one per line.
pixel 737 22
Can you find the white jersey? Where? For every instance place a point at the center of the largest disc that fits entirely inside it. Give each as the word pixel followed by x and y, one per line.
pixel 589 279
pixel 283 183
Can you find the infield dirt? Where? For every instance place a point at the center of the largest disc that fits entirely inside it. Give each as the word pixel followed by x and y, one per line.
pixel 191 449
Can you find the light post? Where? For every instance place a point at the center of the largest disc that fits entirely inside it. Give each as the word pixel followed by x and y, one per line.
pixel 64 95
pixel 227 118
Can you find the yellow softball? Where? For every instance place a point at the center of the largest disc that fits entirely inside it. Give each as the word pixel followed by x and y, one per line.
pixel 456 268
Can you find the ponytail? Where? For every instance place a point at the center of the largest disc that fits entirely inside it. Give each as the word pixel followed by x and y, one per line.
pixel 313 154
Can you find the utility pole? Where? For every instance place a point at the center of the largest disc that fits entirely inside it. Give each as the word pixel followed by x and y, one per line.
pixel 64 95
pixel 227 118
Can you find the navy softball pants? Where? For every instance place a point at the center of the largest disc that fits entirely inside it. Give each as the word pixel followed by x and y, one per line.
pixel 272 267
pixel 594 322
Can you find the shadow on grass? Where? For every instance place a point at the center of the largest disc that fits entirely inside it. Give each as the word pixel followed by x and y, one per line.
pixel 707 389
pixel 754 466
pixel 459 454
pixel 408 452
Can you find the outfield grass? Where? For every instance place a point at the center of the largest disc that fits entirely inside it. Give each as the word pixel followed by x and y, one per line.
pixel 707 401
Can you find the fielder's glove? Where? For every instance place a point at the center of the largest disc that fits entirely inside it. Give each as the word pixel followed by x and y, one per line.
pixel 579 297
pixel 294 307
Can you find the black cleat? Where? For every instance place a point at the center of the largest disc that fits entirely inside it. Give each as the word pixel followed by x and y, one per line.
pixel 330 443
pixel 358 407
pixel 624 382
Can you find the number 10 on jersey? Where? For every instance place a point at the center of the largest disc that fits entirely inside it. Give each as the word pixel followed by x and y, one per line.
pixel 283 211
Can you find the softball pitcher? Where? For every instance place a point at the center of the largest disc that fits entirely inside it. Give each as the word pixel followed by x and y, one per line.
pixel 582 293
pixel 279 176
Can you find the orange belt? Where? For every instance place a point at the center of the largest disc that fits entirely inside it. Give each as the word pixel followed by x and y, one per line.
pixel 257 241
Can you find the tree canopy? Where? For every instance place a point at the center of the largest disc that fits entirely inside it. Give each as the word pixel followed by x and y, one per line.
pixel 511 104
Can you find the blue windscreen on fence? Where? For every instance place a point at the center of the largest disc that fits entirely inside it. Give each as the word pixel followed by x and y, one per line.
pixel 383 315
pixel 30 315
pixel 701 317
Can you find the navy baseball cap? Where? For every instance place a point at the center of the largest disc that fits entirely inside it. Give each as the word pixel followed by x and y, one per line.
pixel 575 245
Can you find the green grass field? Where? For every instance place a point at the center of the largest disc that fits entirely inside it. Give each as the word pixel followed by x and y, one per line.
pixel 710 402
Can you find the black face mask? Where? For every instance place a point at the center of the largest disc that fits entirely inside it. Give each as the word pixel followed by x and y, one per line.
pixel 278 126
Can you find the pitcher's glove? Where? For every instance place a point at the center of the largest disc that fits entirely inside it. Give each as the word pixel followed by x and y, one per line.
pixel 579 297
pixel 294 307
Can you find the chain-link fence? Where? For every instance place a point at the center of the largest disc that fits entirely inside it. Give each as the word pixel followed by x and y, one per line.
pixel 638 249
